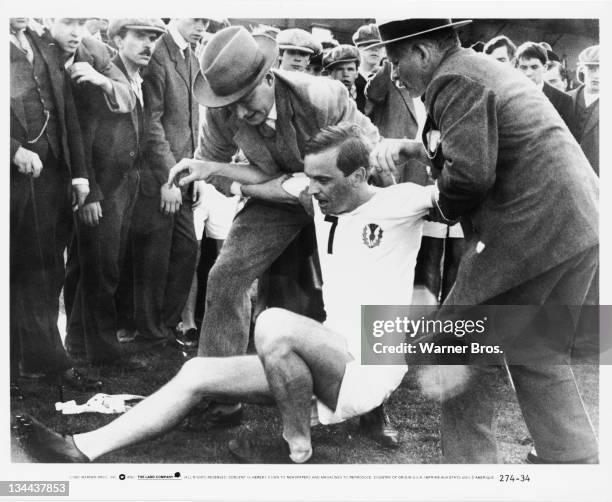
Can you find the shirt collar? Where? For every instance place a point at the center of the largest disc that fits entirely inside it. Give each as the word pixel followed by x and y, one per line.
pixel 272 115
pixel 177 37
pixel 69 62
pixel 540 85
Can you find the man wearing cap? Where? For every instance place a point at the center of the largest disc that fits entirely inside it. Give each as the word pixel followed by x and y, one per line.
pixel 341 64
pixel 165 243
pixel 46 160
pixel 269 115
pixel 370 57
pixel 531 60
pixel 586 105
pixel 114 143
pixel 508 166
pixel 296 48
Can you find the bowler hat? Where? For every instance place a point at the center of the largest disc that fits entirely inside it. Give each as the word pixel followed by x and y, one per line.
pixel 342 54
pixel 366 35
pixel 396 30
pixel 133 23
pixel 231 66
pixel 299 40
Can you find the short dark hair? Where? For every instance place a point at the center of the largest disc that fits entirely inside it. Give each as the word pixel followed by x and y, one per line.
pixel 531 50
pixel 353 146
pixel 558 66
pixel 500 41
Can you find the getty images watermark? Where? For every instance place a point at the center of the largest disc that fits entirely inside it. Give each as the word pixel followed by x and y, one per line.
pixel 515 334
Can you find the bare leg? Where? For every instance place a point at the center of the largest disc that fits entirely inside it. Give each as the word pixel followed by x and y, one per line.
pixel 241 378
pixel 300 357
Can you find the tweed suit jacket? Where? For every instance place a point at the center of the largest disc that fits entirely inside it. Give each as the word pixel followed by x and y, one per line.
pixel 304 105
pixel 113 142
pixel 70 133
pixel 98 55
pixel 507 164
pixel 172 112
pixel 589 136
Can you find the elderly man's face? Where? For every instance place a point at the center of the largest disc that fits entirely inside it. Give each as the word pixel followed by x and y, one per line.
pixel 553 77
pixel 68 32
pixel 192 29
pixel 533 69
pixel 500 54
pixel 18 23
pixel 294 60
pixel 137 46
pixel 591 78
pixel 373 56
pixel 345 72
pixel 408 68
pixel 332 190
pixel 255 106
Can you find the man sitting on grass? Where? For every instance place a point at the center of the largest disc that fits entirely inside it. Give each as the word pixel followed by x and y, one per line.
pixel 368 240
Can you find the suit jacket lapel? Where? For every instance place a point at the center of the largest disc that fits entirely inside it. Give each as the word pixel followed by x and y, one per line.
pixel 249 140
pixel 49 51
pixel 175 54
pixel 593 118
pixel 286 136
pixel 134 113
pixel 16 101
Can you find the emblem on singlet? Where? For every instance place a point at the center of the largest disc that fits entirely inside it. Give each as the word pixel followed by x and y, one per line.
pixel 372 235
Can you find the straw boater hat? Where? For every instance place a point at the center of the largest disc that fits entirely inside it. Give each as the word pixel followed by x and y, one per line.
pixel 231 66
pixel 133 23
pixel 396 30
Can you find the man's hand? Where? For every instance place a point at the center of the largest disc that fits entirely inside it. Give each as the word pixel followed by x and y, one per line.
pixel 188 170
pixel 90 214
pixel 171 199
pixel 389 153
pixel 27 162
pixel 79 194
pixel 84 72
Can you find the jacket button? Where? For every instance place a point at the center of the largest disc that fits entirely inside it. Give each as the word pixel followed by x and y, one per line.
pixel 132 154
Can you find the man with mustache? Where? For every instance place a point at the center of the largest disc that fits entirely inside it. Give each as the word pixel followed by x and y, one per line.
pixel 114 143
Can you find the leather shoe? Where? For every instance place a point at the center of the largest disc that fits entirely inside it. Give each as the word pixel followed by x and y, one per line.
pixel 534 458
pixel 378 426
pixel 211 417
pixel 75 380
pixel 45 445
pixel 248 451
pixel 188 339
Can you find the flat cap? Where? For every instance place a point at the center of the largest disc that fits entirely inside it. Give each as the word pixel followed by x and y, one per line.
pixel 155 25
pixel 342 54
pixel 299 40
pixel 366 35
pixel 589 56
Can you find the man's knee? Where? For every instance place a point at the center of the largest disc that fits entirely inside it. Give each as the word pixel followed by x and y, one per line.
pixel 272 331
pixel 192 376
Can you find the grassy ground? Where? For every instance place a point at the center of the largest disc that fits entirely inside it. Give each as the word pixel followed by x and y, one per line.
pixel 416 417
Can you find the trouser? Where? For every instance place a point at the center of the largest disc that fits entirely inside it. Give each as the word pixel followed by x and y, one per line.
pixel 93 322
pixel 164 259
pixel 546 390
pixel 40 227
pixel 259 234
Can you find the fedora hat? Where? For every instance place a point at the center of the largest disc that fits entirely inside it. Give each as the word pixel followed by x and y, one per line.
pixel 396 30
pixel 231 66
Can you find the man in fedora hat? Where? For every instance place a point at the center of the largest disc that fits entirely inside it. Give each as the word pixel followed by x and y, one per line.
pixel 586 105
pixel 269 115
pixel 507 165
